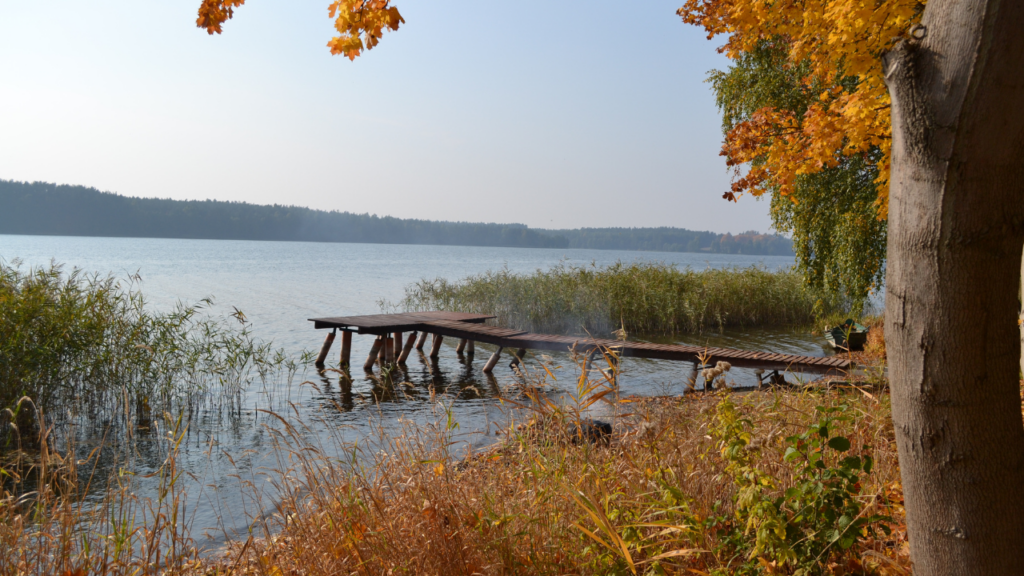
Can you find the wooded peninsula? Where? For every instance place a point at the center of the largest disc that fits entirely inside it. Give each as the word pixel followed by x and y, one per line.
pixel 41 208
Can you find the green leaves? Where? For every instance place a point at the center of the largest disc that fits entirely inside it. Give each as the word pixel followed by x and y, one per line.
pixel 839 443
pixel 816 519
pixel 832 212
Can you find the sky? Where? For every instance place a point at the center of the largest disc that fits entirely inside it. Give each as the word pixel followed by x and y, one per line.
pixel 555 114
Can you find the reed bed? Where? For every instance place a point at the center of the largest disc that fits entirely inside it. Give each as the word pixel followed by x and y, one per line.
pixel 647 299
pixel 86 350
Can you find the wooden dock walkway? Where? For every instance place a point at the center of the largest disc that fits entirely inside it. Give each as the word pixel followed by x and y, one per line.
pixel 471 328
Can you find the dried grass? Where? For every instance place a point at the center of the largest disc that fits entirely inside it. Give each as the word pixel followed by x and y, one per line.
pixel 544 502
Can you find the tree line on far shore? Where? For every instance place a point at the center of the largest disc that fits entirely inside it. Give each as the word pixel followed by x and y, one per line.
pixel 41 208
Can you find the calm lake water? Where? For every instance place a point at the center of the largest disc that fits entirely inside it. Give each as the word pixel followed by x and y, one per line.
pixel 279 285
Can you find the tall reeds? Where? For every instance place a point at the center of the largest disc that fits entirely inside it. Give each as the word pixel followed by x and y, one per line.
pixel 57 529
pixel 86 349
pixel 647 299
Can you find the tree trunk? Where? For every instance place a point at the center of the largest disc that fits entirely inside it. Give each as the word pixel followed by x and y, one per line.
pixel 956 232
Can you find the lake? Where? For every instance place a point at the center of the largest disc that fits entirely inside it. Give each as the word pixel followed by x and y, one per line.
pixel 279 285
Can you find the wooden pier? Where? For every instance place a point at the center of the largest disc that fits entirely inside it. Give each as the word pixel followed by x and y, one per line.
pixel 470 328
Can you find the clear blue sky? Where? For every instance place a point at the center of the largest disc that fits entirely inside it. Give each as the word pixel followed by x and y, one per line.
pixel 557 113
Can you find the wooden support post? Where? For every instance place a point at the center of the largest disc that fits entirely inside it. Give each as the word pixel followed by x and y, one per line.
pixel 435 348
pixel 398 345
pixel 489 367
pixel 389 350
pixel 517 357
pixel 471 348
pixel 421 341
pixel 346 348
pixel 407 348
pixel 374 350
pixel 325 349
pixel 615 363
pixel 461 346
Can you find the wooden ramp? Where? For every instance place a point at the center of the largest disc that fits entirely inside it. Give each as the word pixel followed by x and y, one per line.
pixel 471 328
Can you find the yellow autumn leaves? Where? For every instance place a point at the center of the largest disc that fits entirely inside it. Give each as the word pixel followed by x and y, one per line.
pixel 837 39
pixel 360 23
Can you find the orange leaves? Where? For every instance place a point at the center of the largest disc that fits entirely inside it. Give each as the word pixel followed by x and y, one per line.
pixel 360 23
pixel 841 42
pixel 213 13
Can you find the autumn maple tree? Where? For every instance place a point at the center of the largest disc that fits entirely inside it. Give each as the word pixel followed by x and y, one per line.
pixel 805 114
pixel 837 47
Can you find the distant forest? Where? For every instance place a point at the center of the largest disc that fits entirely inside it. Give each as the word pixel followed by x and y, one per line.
pixel 675 240
pixel 61 210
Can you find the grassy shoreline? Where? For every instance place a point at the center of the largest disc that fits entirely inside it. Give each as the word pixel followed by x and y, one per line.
pixel 663 495
pixel 684 485
pixel 648 299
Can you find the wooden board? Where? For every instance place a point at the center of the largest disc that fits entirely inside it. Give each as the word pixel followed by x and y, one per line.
pixel 477 332
pixel 384 323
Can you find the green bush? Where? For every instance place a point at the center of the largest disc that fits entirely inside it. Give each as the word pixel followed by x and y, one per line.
pixel 819 518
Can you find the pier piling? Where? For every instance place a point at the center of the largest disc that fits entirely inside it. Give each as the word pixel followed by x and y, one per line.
pixel 325 349
pixel 407 349
pixel 346 348
pixel 489 367
pixel 435 347
pixel 374 351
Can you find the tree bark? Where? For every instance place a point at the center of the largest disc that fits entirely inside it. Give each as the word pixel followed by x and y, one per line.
pixel 956 232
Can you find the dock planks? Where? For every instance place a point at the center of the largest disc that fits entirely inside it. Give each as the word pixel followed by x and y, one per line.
pixel 471 327
pixel 379 324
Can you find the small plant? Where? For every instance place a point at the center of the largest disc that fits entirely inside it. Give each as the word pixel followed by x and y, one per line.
pixel 820 516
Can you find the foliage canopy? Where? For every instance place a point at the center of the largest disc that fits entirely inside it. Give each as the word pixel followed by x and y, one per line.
pixel 805 113
pixel 833 214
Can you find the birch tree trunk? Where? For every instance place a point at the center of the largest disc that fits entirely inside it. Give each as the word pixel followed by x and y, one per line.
pixel 956 232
